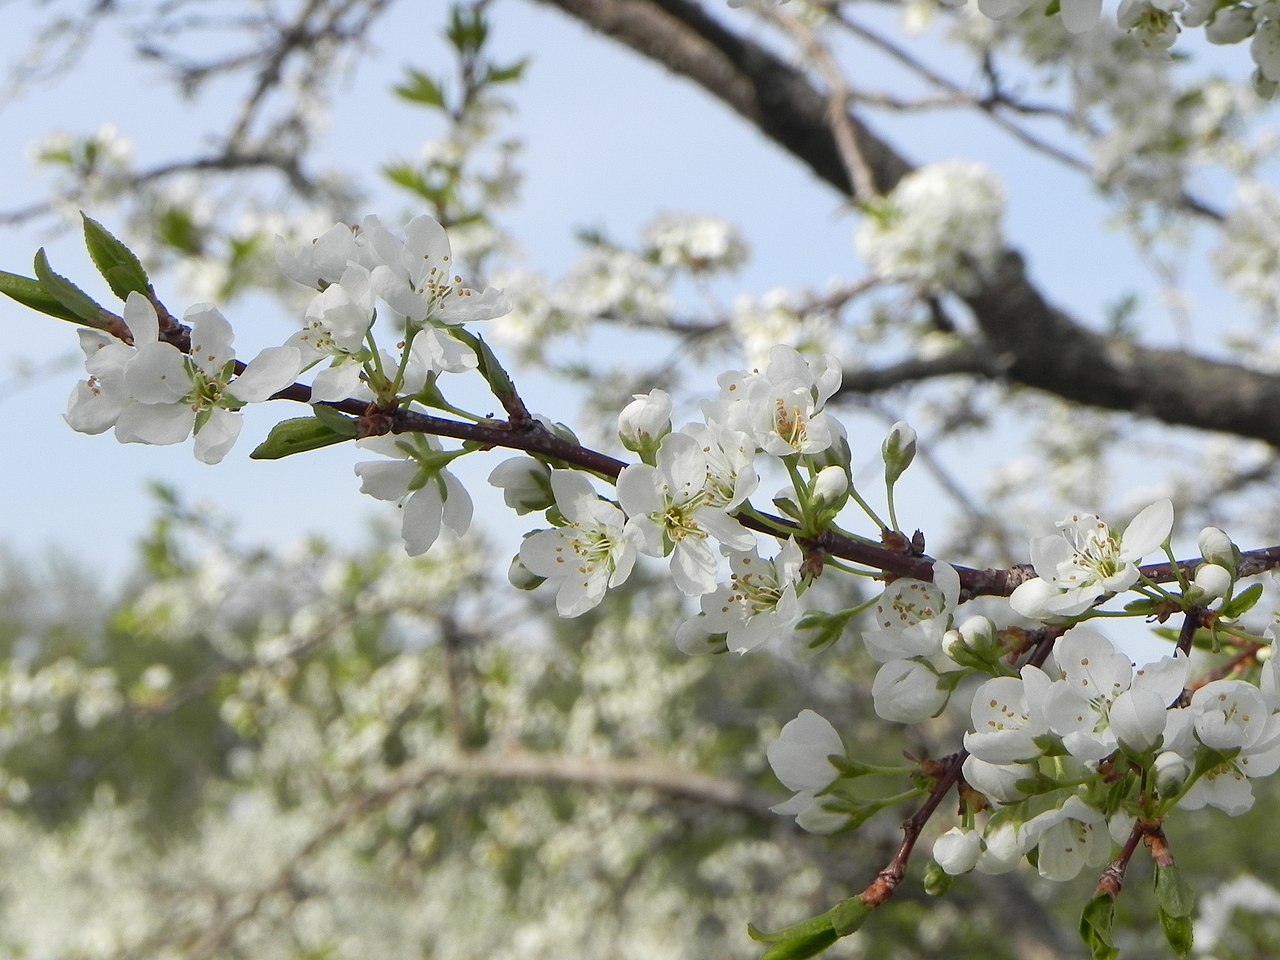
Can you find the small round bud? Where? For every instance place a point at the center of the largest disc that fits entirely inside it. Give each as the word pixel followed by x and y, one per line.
pixel 525 484
pixel 1211 582
pixel 644 422
pixel 957 850
pixel 521 577
pixel 1216 547
pixel 1172 770
pixel 1231 26
pixel 831 486
pixel 898 450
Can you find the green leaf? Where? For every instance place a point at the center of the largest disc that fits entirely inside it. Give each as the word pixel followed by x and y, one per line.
pixel 122 270
pixel 1241 603
pixel 506 74
pixel 1142 606
pixel 489 366
pixel 420 88
pixel 83 306
pixel 1176 902
pixel 1095 927
pixel 335 420
pixel 30 293
pixel 1173 893
pixel 298 436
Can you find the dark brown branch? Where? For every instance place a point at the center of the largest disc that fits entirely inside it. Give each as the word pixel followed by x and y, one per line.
pixel 1038 344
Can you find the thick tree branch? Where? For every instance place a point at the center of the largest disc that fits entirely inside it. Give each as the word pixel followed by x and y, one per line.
pixel 1037 344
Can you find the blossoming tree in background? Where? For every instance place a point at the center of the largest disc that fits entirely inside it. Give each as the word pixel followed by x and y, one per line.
pixel 1032 742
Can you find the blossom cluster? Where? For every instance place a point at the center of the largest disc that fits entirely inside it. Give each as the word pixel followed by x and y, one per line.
pixel 680 502
pixel 1068 747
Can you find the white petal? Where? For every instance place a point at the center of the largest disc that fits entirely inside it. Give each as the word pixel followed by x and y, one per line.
pixel 268 373
pixel 386 480
pixel 217 435
pixel 799 755
pixel 211 338
pixel 156 423
pixel 158 374
pixel 420 525
pixel 1148 530
pixel 1079 16
pixel 140 317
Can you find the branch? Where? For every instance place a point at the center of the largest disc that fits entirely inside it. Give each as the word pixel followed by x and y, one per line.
pixel 1037 344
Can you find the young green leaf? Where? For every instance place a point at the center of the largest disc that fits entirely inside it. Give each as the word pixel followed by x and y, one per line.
pixel 1242 603
pixel 66 293
pixel 420 88
pixel 298 436
pixel 1095 927
pixel 30 293
pixel 122 270
pixel 1176 902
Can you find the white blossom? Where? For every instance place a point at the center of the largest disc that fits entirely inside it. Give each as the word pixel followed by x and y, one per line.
pixel 1087 560
pixel 758 603
pixel 669 512
pixel 799 758
pixel 589 554
pixel 429 496
pixel 940 227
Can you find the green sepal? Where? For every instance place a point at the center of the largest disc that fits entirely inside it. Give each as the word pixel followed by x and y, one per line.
pixel 1242 603
pixel 1095 927
pixel 298 436
pixel 420 88
pixel 823 629
pixel 1176 902
pixel 31 293
pixel 936 880
pixel 85 309
pixel 122 270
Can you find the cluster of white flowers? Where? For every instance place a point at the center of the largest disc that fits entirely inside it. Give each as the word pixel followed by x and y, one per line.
pixel 679 503
pixel 152 392
pixel 939 229
pixel 1248 260
pixel 1068 755
pixel 699 244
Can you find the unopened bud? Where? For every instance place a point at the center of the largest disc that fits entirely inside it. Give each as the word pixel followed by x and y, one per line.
pixel 1212 581
pixel 644 422
pixel 898 450
pixel 1216 547
pixel 831 486
pixel 525 484
pixel 1231 26
pixel 521 577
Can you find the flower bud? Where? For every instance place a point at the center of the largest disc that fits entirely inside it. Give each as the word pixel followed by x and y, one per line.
pixel 907 691
pixel 525 484
pixel 644 422
pixel 898 450
pixel 973 643
pixel 1230 26
pixel 1212 582
pixel 1216 547
pixel 1172 770
pixel 831 486
pixel 521 577
pixel 957 850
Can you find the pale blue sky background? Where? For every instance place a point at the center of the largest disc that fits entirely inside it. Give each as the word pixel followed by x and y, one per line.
pixel 610 140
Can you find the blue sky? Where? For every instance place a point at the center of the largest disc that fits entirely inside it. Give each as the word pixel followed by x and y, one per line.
pixel 610 152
